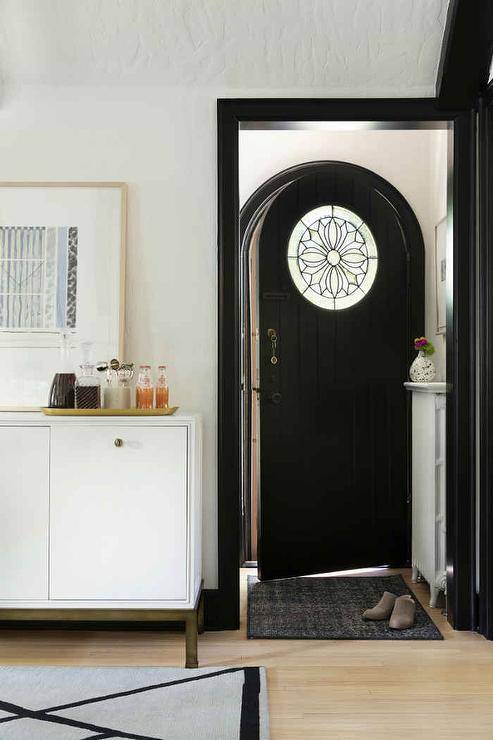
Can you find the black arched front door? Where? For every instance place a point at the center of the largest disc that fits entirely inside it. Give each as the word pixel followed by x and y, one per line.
pixel 341 297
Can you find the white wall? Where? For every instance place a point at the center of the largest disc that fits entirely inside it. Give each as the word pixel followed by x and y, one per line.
pixel 438 206
pixel 415 162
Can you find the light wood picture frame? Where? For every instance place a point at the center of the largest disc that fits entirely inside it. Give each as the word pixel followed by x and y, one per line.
pixel 62 270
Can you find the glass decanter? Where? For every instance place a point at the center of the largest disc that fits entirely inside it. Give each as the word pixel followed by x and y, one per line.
pixel 88 384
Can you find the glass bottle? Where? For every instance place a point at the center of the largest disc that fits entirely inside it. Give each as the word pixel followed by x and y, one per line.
pixel 88 388
pixel 110 397
pixel 117 389
pixel 162 390
pixel 62 388
pixel 144 391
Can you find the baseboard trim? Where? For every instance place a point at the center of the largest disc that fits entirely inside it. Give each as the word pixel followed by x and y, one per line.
pixel 221 609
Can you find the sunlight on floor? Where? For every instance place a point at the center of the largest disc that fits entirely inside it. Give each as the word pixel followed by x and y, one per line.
pixel 352 572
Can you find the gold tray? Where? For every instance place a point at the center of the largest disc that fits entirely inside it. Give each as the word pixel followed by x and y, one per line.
pixel 109 412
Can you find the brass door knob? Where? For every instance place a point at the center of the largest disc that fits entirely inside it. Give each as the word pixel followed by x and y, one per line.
pixel 118 442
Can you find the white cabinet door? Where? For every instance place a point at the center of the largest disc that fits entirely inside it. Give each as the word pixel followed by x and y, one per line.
pixel 24 506
pixel 118 513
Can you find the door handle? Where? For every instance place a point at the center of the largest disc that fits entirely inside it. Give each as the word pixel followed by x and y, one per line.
pixel 276 397
pixel 272 334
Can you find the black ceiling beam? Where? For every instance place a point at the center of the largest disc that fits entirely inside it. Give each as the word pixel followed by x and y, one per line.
pixel 466 53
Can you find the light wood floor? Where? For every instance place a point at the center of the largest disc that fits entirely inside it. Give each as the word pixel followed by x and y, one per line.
pixel 317 689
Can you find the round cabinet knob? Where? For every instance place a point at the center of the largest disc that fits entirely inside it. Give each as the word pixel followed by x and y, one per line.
pixel 276 398
pixel 118 442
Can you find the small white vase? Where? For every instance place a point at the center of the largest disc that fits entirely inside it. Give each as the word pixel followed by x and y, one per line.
pixel 423 369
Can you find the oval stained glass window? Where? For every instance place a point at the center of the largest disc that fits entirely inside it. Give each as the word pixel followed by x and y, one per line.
pixel 332 257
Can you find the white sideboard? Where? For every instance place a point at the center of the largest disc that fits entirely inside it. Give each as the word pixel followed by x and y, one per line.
pixel 428 485
pixel 99 513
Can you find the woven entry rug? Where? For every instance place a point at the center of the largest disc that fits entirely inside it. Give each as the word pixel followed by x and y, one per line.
pixel 328 608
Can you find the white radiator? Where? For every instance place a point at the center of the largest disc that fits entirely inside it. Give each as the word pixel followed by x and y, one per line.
pixel 428 485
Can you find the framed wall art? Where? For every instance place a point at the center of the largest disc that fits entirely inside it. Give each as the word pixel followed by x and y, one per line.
pixel 62 272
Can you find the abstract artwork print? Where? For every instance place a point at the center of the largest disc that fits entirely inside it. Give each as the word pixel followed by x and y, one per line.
pixel 38 278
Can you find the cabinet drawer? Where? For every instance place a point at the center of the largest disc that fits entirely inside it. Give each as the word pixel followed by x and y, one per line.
pixel 119 512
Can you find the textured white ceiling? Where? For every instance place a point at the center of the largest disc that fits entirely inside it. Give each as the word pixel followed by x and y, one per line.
pixel 348 46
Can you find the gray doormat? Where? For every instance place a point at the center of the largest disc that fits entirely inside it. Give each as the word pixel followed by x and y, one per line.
pixel 139 703
pixel 328 609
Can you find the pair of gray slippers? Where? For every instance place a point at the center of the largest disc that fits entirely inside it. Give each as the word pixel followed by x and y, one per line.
pixel 399 610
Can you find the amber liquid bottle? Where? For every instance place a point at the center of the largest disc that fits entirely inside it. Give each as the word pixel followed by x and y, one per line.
pixel 144 391
pixel 162 390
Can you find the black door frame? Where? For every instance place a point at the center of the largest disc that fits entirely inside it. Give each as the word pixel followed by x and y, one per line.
pixel 485 379
pixel 222 604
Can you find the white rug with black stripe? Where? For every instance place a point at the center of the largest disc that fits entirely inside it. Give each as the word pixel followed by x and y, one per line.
pixel 138 703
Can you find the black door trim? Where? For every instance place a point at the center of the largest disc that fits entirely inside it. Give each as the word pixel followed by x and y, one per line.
pixel 466 53
pixel 485 380
pixel 222 604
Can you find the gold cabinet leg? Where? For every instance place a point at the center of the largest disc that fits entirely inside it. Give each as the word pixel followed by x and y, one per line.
pixel 200 617
pixel 191 625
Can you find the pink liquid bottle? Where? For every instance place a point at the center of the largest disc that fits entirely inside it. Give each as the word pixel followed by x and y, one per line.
pixel 144 391
pixel 162 390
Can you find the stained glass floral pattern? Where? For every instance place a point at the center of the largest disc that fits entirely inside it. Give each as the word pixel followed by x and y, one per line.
pixel 332 257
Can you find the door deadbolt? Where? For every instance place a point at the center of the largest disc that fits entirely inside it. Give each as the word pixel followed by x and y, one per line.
pixel 276 398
